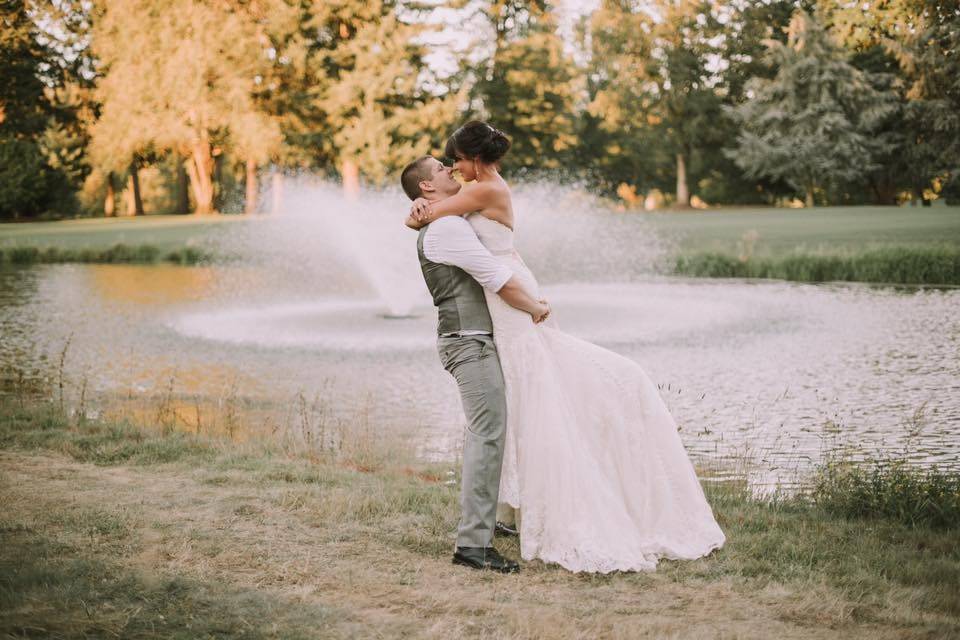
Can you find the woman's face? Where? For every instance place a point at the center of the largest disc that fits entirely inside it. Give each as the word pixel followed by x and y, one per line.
pixel 466 167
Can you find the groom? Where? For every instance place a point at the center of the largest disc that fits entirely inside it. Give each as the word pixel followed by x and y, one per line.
pixel 456 268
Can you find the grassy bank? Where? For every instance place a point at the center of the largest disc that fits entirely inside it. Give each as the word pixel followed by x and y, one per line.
pixel 896 265
pixel 116 254
pixel 165 232
pixel 113 530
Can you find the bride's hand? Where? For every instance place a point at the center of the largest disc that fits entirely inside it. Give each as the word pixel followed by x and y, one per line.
pixel 420 209
pixel 542 312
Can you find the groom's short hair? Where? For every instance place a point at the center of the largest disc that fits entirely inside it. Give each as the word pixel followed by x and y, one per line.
pixel 415 173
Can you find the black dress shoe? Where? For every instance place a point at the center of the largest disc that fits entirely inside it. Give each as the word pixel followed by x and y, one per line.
pixel 504 529
pixel 484 558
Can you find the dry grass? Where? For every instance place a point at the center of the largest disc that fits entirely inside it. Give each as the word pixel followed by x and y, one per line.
pixel 113 531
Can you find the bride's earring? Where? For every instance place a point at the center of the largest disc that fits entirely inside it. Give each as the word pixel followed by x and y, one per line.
pixel 476 172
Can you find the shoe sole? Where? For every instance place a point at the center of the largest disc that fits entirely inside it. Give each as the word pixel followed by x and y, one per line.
pixel 464 563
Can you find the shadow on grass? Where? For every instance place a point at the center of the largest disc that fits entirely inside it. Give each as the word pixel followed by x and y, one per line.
pixel 52 590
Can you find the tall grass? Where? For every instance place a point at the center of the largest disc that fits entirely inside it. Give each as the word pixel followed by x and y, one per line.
pixel 888 488
pixel 117 254
pixel 895 265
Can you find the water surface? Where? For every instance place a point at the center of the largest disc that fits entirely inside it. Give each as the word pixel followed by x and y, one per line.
pixel 779 371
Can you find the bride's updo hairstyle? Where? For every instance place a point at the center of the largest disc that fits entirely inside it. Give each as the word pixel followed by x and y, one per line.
pixel 478 140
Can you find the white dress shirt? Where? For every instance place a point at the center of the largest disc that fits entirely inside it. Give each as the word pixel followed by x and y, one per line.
pixel 451 240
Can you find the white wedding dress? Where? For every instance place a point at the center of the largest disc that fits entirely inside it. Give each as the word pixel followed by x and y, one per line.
pixel 592 459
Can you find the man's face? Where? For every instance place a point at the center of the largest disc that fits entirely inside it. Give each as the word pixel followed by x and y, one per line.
pixel 442 179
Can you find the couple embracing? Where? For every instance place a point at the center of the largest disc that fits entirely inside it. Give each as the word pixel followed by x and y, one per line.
pixel 568 444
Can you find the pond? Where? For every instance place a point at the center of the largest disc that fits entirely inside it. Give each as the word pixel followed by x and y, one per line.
pixel 319 324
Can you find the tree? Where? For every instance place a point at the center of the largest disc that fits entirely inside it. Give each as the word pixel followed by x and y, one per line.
pixel 650 62
pixel 812 123
pixel 370 90
pixel 186 87
pixel 28 183
pixel 743 27
pixel 930 57
pixel 914 44
pixel 530 88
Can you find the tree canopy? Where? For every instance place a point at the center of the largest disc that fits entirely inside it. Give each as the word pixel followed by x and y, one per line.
pixel 717 101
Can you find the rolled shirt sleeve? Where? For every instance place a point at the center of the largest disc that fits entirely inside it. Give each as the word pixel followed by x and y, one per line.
pixel 451 240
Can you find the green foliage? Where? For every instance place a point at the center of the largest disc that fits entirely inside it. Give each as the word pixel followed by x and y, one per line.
pixel 617 136
pixel 23 111
pixel 28 185
pixel 933 64
pixel 531 90
pixel 189 90
pixel 742 47
pixel 889 488
pixel 652 84
pixel 22 178
pixel 919 38
pixel 813 123
pixel 936 266
pixel 865 111
pixel 31 181
pixel 370 89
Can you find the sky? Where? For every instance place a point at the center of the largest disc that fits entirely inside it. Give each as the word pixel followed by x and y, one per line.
pixel 457 35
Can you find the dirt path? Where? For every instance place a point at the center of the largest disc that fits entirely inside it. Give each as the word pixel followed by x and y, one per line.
pixel 260 537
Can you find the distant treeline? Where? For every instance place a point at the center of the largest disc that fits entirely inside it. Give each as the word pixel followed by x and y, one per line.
pixel 123 106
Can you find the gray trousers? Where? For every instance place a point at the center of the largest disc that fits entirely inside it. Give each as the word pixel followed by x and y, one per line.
pixel 473 362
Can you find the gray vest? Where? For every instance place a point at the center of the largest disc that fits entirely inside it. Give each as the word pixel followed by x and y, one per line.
pixel 458 297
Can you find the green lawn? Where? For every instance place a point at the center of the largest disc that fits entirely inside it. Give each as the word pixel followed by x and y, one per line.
pixel 820 230
pixel 902 245
pixel 161 231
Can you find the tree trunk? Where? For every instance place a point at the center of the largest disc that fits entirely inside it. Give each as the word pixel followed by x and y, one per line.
pixel 683 192
pixel 277 193
pixel 110 202
pixel 351 179
pixel 200 170
pixel 183 195
pixel 217 184
pixel 135 188
pixel 884 191
pixel 250 204
pixel 809 201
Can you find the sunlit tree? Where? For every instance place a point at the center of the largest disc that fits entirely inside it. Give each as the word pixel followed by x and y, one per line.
pixel 368 62
pixel 529 86
pixel 180 76
pixel 650 62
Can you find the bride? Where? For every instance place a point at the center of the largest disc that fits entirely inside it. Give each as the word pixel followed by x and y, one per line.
pixel 592 462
